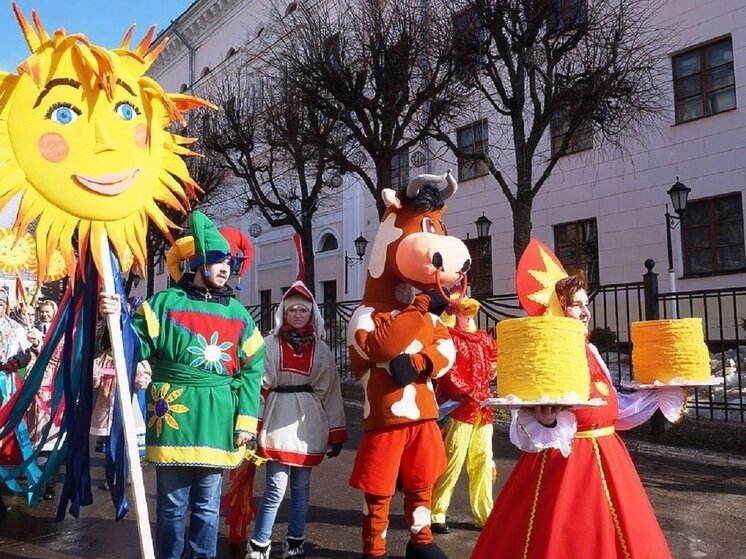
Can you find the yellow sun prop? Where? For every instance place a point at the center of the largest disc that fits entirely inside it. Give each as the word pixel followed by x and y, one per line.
pixel 83 140
pixel 56 267
pixel 16 252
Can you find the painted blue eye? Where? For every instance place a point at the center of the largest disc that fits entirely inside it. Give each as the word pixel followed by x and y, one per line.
pixel 126 110
pixel 63 115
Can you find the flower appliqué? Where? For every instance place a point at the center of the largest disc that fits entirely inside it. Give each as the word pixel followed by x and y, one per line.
pixel 163 406
pixel 210 356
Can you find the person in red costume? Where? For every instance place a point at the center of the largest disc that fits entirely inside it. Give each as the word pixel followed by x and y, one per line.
pixel 468 428
pixel 574 493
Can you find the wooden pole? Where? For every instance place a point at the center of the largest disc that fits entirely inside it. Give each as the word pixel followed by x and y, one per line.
pixel 125 400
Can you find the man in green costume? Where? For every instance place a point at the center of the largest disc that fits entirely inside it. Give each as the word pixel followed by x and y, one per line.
pixel 207 359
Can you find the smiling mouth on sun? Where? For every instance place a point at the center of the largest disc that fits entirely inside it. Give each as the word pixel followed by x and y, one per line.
pixel 110 184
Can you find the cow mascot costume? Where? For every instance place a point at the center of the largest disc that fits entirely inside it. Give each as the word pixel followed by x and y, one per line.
pixel 398 345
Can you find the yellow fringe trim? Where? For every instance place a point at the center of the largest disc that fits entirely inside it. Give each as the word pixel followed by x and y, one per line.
pixel 612 510
pixel 534 504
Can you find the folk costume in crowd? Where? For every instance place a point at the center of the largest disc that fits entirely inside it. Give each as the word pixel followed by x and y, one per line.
pixel 574 493
pixel 207 359
pixel 397 346
pixel 303 417
pixel 14 356
pixel 468 425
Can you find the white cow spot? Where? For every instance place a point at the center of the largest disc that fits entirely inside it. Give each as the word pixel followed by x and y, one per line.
pixel 407 406
pixel 415 347
pixel 387 233
pixel 448 350
pixel 366 404
pixel 362 319
pixel 420 519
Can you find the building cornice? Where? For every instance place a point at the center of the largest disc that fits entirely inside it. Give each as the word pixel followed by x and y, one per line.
pixel 202 20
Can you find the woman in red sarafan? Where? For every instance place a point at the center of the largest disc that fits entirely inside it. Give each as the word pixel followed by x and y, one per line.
pixel 574 493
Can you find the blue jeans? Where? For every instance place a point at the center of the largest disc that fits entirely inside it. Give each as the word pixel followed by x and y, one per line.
pixel 180 487
pixel 274 491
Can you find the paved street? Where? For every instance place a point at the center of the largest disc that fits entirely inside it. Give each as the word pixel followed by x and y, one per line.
pixel 702 510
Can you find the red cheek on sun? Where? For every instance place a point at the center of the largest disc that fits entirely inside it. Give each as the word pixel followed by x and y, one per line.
pixel 53 147
pixel 142 137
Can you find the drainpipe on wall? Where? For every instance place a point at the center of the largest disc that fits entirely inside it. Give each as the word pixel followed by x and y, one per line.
pixel 191 50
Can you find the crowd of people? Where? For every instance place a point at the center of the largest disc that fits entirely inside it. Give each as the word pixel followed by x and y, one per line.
pixel 202 357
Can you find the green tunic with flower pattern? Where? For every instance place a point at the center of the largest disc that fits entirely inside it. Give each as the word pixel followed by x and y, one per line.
pixel 207 359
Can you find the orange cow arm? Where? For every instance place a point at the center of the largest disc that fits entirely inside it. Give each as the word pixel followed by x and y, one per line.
pixel 441 353
pixel 391 335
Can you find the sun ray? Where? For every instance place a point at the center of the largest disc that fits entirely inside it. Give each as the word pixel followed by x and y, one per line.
pixel 113 168
pixel 32 39
pixel 125 45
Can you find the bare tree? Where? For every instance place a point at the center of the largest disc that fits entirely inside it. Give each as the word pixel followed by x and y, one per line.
pixel 268 136
pixel 206 170
pixel 585 68
pixel 381 68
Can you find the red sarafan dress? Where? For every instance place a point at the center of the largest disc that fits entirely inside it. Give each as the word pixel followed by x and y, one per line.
pixel 590 505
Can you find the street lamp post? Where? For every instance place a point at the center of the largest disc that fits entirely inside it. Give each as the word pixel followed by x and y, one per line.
pixel 679 194
pixel 361 243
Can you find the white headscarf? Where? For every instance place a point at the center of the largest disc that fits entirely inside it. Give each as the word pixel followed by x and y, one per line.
pixel 299 288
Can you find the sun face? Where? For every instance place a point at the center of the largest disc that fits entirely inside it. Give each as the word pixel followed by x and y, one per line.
pixel 16 252
pixel 83 140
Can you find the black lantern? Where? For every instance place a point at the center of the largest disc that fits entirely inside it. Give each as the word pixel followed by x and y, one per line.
pixel 483 224
pixel 361 243
pixel 679 194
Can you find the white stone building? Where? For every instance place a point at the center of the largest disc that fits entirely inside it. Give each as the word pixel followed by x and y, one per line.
pixel 600 211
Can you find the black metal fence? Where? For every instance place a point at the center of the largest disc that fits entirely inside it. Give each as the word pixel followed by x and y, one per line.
pixel 613 308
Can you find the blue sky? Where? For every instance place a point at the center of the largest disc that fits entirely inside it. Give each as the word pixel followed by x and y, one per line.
pixel 103 21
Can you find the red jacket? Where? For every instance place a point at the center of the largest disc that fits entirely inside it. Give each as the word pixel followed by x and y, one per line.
pixel 468 381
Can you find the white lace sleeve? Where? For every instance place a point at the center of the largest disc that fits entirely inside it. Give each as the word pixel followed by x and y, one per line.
pixel 531 436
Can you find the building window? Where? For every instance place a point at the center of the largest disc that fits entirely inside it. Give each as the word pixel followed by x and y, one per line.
pixel 328 243
pixel 703 81
pixel 160 265
pixel 470 44
pixel 265 316
pixel 576 246
pixel 580 140
pixel 568 15
pixel 479 275
pixel 400 169
pixel 472 139
pixel 333 51
pixel 712 233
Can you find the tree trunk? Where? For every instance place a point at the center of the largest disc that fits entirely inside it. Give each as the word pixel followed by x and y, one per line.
pixel 522 225
pixel 308 257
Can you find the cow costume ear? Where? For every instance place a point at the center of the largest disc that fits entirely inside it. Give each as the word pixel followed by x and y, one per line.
pixel 390 198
